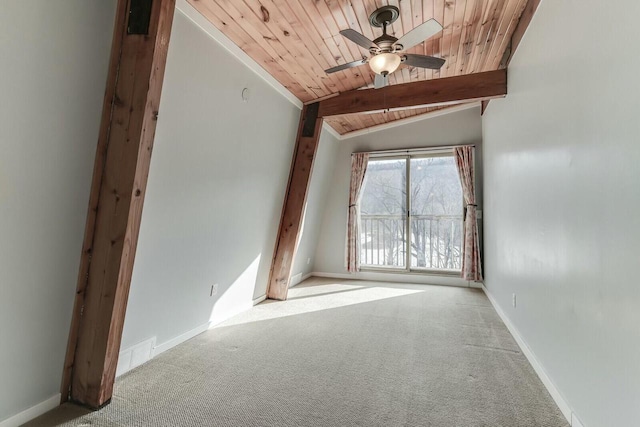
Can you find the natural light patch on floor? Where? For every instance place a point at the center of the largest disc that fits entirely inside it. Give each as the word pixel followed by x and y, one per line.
pixel 237 297
pixel 321 294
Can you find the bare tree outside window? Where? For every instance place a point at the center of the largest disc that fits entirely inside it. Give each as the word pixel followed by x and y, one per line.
pixel 435 220
pixel 383 214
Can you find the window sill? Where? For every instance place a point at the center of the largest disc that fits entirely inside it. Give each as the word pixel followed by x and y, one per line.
pixel 412 272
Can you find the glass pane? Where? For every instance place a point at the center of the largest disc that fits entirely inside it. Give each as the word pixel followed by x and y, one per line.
pixel 436 213
pixel 383 214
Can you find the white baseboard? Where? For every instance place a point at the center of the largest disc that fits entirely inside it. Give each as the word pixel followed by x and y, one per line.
pixel 563 405
pixel 334 275
pixel 179 339
pixel 33 412
pixel 259 299
pixel 135 356
pixel 420 279
pixel 575 422
pixel 295 280
pixel 147 350
pixel 298 278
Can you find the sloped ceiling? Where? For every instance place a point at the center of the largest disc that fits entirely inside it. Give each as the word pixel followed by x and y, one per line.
pixel 296 40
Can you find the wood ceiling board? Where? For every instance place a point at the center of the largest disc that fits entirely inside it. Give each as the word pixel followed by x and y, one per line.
pixel 283 38
pixel 300 22
pixel 324 33
pixel 482 35
pixel 262 37
pixel 296 40
pixel 447 35
pixel 436 41
pixel 348 123
pixel 471 19
pixel 507 28
pixel 332 13
pixel 406 17
pixel 471 32
pixel 491 33
pixel 475 35
pixel 221 20
pixel 333 36
pixel 456 36
pixel 510 14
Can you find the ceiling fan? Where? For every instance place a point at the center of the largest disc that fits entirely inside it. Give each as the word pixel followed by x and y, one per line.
pixel 385 56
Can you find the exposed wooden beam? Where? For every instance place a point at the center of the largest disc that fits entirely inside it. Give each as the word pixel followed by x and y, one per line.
pixel 295 200
pixel 451 90
pixel 130 110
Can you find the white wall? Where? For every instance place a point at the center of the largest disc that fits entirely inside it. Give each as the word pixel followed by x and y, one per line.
pixel 562 222
pixel 216 186
pixel 54 59
pixel 463 127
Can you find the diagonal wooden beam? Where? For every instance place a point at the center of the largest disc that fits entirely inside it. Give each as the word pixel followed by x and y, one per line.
pixel 450 90
pixel 295 199
pixel 130 111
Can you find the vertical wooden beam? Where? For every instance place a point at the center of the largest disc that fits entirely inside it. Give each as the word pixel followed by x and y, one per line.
pixel 294 202
pixel 134 84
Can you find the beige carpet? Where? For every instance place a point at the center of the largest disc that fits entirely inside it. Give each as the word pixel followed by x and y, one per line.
pixel 346 353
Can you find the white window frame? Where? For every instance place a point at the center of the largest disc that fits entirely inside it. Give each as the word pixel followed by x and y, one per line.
pixel 407 155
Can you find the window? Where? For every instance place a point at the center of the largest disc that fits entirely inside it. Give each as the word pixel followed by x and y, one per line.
pixel 411 213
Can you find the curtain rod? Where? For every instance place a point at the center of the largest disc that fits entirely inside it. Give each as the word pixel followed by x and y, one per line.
pixel 414 150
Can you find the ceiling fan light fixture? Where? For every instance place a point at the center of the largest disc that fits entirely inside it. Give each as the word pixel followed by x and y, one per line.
pixel 385 63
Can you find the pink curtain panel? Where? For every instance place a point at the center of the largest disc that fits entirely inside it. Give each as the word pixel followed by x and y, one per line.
pixel 358 169
pixel 471 264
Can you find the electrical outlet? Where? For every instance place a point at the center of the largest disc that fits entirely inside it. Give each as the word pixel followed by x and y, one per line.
pixel 308 261
pixel 214 290
pixel 513 301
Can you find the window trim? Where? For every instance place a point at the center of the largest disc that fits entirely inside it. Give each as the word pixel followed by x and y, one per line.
pixel 407 155
pixel 414 151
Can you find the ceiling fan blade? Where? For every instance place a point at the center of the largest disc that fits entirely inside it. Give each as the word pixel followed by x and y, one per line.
pixel 358 39
pixel 419 34
pixel 423 61
pixel 345 66
pixel 380 81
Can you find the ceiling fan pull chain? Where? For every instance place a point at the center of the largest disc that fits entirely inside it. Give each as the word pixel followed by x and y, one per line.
pixel 384 102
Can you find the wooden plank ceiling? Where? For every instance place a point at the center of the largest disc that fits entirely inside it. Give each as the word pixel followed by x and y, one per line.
pixel 296 40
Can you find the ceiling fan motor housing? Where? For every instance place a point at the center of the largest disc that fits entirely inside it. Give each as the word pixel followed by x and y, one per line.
pixel 385 43
pixel 383 17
